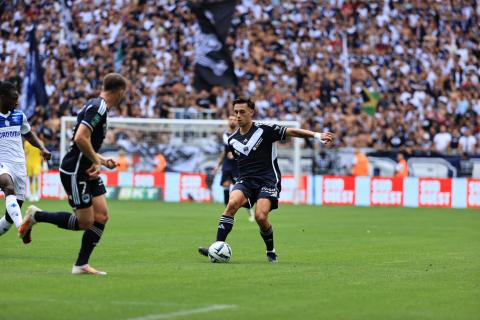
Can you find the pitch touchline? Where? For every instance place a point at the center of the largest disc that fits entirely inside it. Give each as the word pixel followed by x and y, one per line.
pixel 183 313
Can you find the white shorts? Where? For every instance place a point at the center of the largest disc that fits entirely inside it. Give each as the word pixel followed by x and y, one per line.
pixel 18 173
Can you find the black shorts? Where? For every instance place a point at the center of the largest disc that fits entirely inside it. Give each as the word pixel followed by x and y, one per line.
pixel 254 191
pixel 227 176
pixel 80 189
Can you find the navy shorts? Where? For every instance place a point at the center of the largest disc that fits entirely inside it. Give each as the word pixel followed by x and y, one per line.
pixel 80 189
pixel 254 191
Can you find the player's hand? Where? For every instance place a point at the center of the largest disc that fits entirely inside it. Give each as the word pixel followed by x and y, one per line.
pixel 46 155
pixel 110 163
pixel 325 137
pixel 94 170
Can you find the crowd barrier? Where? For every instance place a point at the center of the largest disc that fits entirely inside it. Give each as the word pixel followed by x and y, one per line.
pixel 316 190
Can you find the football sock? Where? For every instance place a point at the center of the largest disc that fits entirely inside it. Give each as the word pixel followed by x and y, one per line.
pixel 89 240
pixel 13 210
pixel 224 227
pixel 226 195
pixel 4 225
pixel 64 220
pixel 268 238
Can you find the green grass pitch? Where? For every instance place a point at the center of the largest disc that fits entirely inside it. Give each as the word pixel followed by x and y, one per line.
pixel 334 263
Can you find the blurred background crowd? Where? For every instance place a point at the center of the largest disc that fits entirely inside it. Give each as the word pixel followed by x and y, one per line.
pixel 414 66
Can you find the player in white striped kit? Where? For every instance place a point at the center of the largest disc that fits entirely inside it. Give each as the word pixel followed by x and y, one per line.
pixel 13 175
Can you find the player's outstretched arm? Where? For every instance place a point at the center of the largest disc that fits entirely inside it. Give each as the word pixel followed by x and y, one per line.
pixel 324 137
pixel 34 141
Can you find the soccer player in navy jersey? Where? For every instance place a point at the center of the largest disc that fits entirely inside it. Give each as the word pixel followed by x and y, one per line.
pixel 229 166
pixel 79 173
pixel 259 180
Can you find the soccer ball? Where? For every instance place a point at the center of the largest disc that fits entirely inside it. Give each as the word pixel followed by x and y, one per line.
pixel 219 252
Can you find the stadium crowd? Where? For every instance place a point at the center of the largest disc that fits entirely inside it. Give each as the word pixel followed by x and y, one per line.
pixel 414 65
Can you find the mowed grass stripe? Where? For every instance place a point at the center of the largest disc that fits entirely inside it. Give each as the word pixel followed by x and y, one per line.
pixel 335 263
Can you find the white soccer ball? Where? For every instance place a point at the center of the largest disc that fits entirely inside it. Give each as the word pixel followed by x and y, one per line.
pixel 219 252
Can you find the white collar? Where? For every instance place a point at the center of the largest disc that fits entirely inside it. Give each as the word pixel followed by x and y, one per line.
pixel 6 114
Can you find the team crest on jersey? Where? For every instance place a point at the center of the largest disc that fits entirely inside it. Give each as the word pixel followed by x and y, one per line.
pixel 86 198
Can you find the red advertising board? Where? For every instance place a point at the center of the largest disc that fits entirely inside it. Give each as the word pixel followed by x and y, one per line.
pixel 386 191
pixel 473 193
pixel 338 190
pixel 194 188
pixel 290 191
pixel 51 186
pixel 433 192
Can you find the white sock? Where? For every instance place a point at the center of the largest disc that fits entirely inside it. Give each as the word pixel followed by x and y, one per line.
pixel 4 225
pixel 13 210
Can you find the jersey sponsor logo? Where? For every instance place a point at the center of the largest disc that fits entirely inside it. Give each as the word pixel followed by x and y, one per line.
pixel 248 144
pixel 9 134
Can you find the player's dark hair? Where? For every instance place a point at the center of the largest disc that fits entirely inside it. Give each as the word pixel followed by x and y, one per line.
pixel 243 100
pixel 113 82
pixel 6 87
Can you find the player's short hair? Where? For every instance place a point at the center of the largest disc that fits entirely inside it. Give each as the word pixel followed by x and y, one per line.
pixel 113 82
pixel 243 100
pixel 6 87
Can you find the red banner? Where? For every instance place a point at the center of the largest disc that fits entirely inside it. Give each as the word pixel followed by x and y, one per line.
pixel 386 191
pixel 434 192
pixel 290 191
pixel 194 188
pixel 473 193
pixel 51 185
pixel 338 190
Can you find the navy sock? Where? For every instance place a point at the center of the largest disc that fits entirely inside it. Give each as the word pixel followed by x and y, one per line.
pixel 89 240
pixel 64 220
pixel 224 227
pixel 268 238
pixel 7 217
pixel 226 195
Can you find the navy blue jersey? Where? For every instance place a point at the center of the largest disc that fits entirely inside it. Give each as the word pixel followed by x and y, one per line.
pixel 228 164
pixel 256 153
pixel 94 116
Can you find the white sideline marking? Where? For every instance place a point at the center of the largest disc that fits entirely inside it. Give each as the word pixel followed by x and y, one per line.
pixel 183 313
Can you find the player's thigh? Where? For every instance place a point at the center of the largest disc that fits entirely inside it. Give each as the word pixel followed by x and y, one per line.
pixel 237 200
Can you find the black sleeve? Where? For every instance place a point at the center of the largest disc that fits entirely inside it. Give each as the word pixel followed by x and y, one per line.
pixel 275 132
pixel 94 115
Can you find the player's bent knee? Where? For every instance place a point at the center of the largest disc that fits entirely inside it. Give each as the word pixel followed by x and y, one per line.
pixel 261 217
pixel 8 190
pixel 233 205
pixel 102 218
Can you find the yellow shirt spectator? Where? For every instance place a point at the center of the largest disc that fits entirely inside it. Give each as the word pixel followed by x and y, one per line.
pixel 33 159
